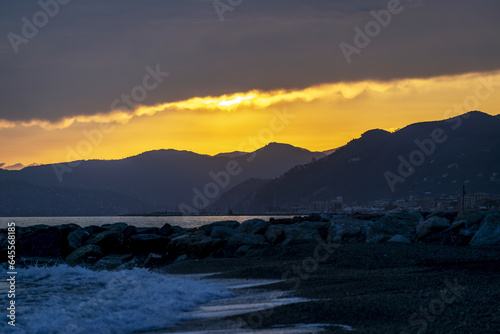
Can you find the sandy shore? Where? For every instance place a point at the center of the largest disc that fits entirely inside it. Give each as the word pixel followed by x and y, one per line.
pixel 368 288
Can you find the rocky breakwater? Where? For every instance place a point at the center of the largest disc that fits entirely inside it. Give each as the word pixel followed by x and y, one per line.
pixel 122 246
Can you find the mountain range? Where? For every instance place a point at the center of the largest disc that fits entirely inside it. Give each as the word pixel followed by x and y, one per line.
pixel 429 159
pixel 151 181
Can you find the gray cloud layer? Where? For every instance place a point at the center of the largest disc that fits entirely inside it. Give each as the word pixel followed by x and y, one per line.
pixel 92 51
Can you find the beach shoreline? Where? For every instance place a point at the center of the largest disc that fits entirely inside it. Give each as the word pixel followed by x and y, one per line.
pixel 394 273
pixel 369 288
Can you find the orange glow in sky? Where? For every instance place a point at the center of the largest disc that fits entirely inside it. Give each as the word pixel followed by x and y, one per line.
pixel 316 118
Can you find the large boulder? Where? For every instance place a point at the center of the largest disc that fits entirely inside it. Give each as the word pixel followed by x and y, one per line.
pixel 166 230
pixel 392 224
pixel 198 245
pixel 77 238
pixel 148 243
pixel 65 230
pixel 253 226
pixel 40 241
pixel 348 230
pixel 94 229
pixel 112 240
pixel 431 225
pixel 87 254
pixel 457 234
pixel 207 229
pixel 244 239
pixel 489 231
pixel 222 232
pixel 305 231
pixel 275 234
pixel 320 228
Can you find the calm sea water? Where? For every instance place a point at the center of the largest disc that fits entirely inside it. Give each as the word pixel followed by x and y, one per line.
pixel 183 221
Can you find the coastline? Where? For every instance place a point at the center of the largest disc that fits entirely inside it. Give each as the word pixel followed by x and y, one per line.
pixel 395 273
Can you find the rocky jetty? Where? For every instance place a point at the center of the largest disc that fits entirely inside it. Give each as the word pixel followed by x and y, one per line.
pixel 119 245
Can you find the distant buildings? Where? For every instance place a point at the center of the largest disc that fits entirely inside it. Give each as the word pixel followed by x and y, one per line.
pixel 478 201
pixel 474 201
pixel 333 206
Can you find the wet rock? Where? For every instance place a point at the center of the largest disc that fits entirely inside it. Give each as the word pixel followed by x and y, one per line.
pixel 40 241
pixel 399 239
pixel 431 225
pixel 112 261
pixel 222 232
pixel 94 229
pixel 275 234
pixel 315 227
pixel 77 238
pixel 65 230
pixel 226 251
pixel 148 243
pixel 244 239
pixel 182 257
pixel 198 245
pixel 155 260
pixel 242 251
pixel 134 263
pixel 348 230
pixel 111 240
pixel 207 229
pixel 166 230
pixel 489 231
pixel 253 226
pixel 305 231
pixel 85 254
pixel 392 224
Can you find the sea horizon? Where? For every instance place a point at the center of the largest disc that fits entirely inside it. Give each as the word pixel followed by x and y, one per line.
pixel 137 221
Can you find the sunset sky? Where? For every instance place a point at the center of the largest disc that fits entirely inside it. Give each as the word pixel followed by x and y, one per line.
pixel 110 79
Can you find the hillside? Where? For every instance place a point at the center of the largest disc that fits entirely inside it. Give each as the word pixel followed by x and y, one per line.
pixel 442 156
pixel 161 180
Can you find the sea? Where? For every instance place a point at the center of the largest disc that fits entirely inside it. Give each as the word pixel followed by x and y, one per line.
pixel 77 300
pixel 138 221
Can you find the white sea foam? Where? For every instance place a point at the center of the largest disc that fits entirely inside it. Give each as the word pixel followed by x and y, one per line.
pixel 63 299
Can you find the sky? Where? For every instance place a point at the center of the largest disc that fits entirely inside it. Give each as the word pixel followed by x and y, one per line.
pixel 110 79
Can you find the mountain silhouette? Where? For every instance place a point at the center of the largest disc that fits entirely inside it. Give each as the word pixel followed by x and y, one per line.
pixel 155 180
pixel 429 159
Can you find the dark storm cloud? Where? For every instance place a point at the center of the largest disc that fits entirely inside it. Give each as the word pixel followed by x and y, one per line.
pixel 93 51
